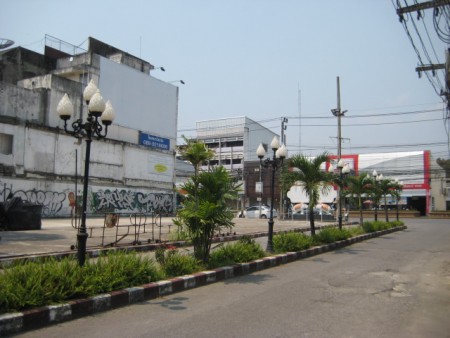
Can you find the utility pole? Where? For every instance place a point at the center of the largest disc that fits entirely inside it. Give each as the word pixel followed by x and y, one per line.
pixel 338 113
pixel 436 6
pixel 284 120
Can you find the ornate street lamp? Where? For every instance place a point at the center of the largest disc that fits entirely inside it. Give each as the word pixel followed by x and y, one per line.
pixel 97 110
pixel 279 154
pixel 376 178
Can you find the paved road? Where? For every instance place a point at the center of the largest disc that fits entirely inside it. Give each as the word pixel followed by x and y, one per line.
pixel 397 285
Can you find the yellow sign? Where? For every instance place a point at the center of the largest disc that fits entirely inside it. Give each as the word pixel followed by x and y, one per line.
pixel 160 168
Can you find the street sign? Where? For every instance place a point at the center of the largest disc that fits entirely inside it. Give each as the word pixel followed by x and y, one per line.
pixel 259 187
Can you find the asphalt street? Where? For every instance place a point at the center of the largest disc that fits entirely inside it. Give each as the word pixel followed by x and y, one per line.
pixel 397 285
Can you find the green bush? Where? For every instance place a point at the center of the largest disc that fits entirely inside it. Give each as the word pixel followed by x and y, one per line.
pixel 176 264
pixel 356 231
pixel 245 250
pixel 291 242
pixel 39 283
pixel 330 235
pixel 376 226
pixel 397 223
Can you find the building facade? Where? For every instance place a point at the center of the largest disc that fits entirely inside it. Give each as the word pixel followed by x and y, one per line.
pixel 234 141
pixel 132 169
pixel 423 180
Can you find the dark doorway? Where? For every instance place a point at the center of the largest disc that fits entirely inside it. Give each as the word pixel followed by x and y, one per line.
pixel 418 203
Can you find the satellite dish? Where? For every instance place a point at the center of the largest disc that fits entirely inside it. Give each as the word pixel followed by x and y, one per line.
pixel 5 43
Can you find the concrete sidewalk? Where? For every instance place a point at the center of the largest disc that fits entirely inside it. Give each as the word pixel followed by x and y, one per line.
pixel 59 235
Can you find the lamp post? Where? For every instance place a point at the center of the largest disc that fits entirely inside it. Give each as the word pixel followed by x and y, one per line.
pixel 343 171
pixel 97 109
pixel 279 154
pixel 376 178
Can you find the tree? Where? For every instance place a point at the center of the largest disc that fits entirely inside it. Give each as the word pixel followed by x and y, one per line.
pixel 196 152
pixel 205 205
pixel 356 187
pixel 307 171
pixel 387 187
pixel 205 208
pixel 397 193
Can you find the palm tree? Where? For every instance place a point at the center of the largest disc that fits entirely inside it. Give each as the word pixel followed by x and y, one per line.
pixel 397 193
pixel 205 208
pixel 387 187
pixel 357 186
pixel 307 171
pixel 195 152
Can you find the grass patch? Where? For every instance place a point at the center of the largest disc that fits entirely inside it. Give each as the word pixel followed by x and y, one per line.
pixel 174 264
pixel 380 225
pixel 245 250
pixel 330 235
pixel 291 242
pixel 48 281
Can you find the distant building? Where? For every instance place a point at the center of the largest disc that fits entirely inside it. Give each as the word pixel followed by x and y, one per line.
pixel 423 180
pixel 133 169
pixel 235 141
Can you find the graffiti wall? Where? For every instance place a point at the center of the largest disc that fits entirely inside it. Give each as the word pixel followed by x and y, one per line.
pixel 52 201
pixel 61 200
pixel 126 200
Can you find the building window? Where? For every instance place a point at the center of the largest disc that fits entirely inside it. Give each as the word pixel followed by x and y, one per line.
pixel 6 144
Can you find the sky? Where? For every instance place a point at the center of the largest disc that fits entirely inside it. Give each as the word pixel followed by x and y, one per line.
pixel 268 60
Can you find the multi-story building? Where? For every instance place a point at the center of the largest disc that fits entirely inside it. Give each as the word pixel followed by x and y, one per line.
pixel 235 141
pixel 132 169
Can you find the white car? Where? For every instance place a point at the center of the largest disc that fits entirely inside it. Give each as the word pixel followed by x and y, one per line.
pixel 253 212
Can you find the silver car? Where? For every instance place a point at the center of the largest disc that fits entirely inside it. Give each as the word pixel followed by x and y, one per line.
pixel 253 212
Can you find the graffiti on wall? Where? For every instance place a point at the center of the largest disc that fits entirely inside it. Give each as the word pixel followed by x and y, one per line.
pixel 51 201
pixel 57 203
pixel 125 200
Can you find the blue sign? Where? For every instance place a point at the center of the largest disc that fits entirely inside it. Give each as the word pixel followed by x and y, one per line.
pixel 154 141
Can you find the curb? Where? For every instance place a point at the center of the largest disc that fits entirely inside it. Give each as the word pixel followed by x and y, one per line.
pixel 47 315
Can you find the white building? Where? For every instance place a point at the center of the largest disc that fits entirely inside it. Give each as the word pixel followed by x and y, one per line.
pixel 424 187
pixel 234 140
pixel 133 169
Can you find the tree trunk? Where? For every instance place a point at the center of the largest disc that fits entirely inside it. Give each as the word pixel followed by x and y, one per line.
pixel 311 221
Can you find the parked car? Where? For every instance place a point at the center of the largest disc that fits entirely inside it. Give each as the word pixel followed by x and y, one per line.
pixel 253 212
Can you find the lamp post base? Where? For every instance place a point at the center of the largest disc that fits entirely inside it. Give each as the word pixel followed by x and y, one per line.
pixel 81 245
pixel 269 247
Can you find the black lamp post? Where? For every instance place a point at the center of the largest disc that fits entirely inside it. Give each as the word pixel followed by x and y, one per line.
pixel 343 171
pixel 97 109
pixel 376 178
pixel 279 154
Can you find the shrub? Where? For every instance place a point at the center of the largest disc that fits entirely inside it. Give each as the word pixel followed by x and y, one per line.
pixel 379 225
pixel 330 235
pixel 176 264
pixel 47 281
pixel 356 231
pixel 397 223
pixel 245 250
pixel 291 242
